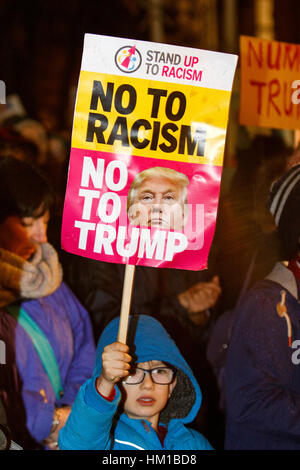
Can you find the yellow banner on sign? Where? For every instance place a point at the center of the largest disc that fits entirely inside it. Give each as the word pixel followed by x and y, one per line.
pixel 153 119
pixel 269 89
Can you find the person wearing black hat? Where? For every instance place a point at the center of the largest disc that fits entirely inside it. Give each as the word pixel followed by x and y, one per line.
pixel 262 374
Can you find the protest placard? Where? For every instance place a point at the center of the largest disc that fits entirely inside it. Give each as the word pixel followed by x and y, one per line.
pixel 147 151
pixel 270 83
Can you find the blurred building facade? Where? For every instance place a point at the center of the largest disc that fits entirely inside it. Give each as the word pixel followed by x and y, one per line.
pixel 41 41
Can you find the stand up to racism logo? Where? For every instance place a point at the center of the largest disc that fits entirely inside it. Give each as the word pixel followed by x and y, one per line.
pixel 128 59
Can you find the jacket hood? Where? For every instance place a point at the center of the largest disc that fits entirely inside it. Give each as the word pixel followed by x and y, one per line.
pixel 148 340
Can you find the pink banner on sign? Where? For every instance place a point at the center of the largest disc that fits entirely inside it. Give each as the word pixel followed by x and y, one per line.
pixel 140 211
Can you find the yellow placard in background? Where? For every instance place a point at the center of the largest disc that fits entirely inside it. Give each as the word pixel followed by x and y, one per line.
pixel 269 89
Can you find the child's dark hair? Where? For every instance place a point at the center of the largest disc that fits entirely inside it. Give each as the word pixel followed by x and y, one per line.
pixel 24 191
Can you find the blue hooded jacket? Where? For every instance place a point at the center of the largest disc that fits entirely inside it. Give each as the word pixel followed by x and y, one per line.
pixel 95 423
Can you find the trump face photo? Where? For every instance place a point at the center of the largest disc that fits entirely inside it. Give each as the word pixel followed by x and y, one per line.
pixel 158 198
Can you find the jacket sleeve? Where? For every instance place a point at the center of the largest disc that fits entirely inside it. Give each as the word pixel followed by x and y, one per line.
pixel 261 381
pixel 28 412
pixel 32 398
pixel 39 409
pixel 83 360
pixel 89 423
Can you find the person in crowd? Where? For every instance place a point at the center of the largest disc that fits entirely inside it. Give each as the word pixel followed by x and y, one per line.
pixel 262 375
pixel 157 197
pixel 183 301
pixel 50 348
pixel 34 132
pixel 245 229
pixel 154 386
pixel 13 144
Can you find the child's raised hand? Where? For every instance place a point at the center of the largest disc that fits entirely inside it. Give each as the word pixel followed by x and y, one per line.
pixel 115 366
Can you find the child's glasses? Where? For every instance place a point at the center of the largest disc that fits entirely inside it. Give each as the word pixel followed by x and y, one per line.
pixel 159 375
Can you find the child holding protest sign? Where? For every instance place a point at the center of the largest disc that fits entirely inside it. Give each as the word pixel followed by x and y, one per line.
pixel 158 394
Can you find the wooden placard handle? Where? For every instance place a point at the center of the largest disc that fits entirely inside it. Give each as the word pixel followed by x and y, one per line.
pixel 126 302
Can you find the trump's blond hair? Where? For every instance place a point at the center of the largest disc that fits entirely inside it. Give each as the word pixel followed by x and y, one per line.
pixel 175 176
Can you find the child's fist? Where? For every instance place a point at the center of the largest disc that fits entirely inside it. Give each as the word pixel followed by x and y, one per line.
pixel 115 362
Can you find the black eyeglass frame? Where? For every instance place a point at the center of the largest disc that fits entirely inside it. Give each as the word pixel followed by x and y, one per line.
pixel 149 371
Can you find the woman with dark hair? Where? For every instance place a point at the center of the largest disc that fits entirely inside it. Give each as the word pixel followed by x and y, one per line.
pixel 49 344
